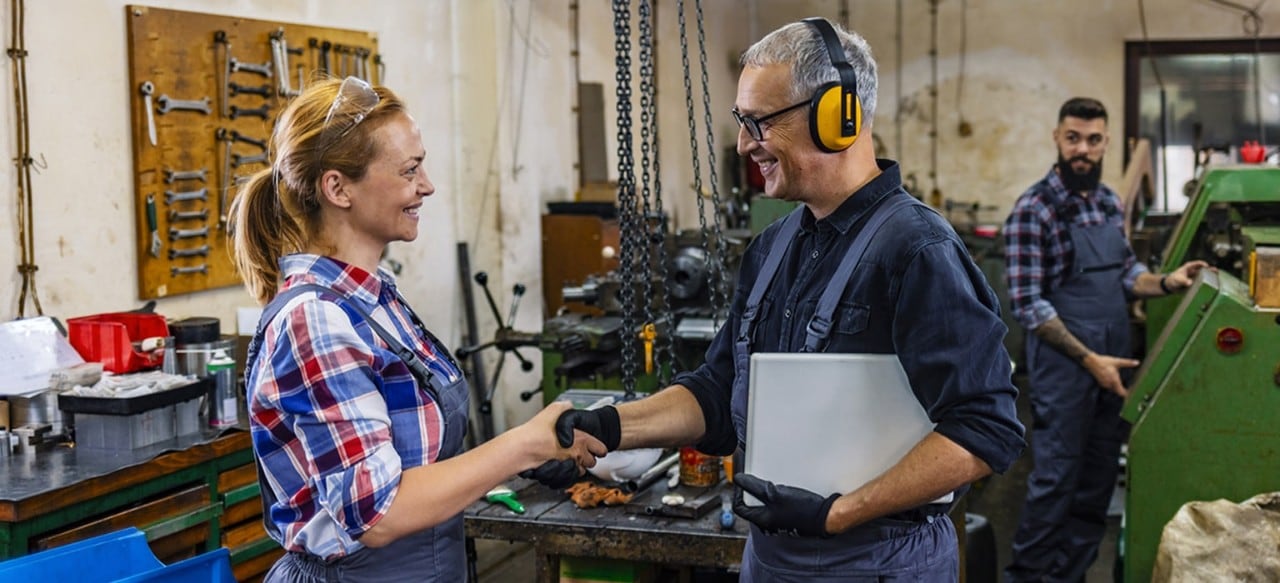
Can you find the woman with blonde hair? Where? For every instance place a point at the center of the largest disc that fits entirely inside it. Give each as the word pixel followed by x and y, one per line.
pixel 357 411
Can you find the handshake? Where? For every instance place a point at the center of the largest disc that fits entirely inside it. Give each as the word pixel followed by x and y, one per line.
pixel 601 423
pixel 784 510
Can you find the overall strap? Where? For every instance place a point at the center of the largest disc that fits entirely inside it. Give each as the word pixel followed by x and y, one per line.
pixel 787 232
pixel 417 368
pixel 819 329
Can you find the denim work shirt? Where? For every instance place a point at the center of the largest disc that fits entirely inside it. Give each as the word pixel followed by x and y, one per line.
pixel 916 293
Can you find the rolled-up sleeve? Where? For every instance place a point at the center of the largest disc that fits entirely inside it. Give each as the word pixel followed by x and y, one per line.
pixel 712 382
pixel 323 390
pixel 949 337
pixel 1024 233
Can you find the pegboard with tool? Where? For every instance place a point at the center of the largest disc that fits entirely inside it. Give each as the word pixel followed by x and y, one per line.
pixel 205 92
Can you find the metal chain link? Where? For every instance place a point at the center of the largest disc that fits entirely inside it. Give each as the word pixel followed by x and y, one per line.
pixel 693 140
pixel 628 228
pixel 720 295
pixel 654 225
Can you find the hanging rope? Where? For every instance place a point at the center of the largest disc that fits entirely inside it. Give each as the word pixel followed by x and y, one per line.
pixel 26 218
pixel 628 225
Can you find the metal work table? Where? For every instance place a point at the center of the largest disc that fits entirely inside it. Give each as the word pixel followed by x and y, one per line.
pixel 52 489
pixel 557 527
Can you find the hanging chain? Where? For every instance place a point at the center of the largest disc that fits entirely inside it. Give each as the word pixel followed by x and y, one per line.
pixel 660 351
pixel 665 348
pixel 720 279
pixel 693 145
pixel 630 232
pixel 22 159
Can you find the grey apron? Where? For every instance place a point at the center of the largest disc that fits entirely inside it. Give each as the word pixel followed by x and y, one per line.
pixel 434 554
pixel 1077 428
pixel 908 547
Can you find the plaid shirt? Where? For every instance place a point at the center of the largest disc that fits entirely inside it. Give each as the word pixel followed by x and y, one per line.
pixel 335 416
pixel 1038 248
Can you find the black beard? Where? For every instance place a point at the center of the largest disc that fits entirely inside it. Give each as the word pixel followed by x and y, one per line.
pixel 1079 182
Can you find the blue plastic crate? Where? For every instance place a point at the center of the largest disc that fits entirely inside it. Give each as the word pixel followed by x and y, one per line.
pixel 112 556
pixel 211 567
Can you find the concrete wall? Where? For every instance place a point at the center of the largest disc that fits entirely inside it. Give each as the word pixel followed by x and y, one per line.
pixel 1023 59
pixel 492 83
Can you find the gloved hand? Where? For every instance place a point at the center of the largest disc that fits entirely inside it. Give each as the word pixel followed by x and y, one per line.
pixel 601 423
pixel 786 510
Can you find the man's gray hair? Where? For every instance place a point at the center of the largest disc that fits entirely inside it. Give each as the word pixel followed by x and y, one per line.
pixel 799 45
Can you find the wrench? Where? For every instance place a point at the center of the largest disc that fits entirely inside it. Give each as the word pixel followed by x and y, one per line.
pixel 175 234
pixel 263 69
pixel 175 216
pixel 225 192
pixel 201 251
pixel 280 57
pixel 167 104
pixel 263 90
pixel 237 160
pixel 258 112
pixel 202 269
pixel 173 175
pixel 324 56
pixel 147 89
pixel 238 137
pixel 224 71
pixel 152 226
pixel 171 197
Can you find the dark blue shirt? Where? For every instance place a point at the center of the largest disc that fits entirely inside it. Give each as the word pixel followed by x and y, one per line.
pixel 916 293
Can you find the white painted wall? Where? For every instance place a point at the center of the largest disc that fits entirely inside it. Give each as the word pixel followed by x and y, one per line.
pixel 492 84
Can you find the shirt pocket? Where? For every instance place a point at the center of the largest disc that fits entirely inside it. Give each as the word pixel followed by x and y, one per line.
pixel 765 326
pixel 849 322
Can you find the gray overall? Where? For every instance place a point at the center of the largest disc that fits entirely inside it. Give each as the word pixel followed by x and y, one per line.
pixel 905 547
pixel 1077 427
pixel 434 554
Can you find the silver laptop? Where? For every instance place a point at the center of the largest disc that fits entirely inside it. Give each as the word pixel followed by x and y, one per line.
pixel 829 422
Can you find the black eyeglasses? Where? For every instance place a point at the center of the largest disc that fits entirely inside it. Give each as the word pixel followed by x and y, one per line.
pixel 755 125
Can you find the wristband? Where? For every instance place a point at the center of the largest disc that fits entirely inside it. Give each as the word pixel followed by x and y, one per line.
pixel 1163 286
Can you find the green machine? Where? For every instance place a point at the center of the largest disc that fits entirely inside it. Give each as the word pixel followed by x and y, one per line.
pixel 1205 406
pixel 1228 199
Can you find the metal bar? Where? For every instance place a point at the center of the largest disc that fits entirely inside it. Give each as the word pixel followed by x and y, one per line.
pixel 478 378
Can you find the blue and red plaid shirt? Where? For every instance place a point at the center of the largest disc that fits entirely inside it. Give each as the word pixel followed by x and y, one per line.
pixel 336 416
pixel 1038 248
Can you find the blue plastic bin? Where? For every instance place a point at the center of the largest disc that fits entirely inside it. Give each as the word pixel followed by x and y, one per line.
pixel 101 559
pixel 211 567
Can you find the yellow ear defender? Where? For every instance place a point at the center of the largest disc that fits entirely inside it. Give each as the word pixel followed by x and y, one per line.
pixel 835 113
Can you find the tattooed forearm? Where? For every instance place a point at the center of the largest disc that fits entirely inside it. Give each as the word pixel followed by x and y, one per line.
pixel 1055 333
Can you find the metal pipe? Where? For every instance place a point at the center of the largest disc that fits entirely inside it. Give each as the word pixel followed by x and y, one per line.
pixel 651 475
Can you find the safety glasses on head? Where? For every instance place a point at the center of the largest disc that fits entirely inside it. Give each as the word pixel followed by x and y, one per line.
pixel 355 99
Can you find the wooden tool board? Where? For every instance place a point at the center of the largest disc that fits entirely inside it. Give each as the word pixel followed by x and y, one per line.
pixel 184 58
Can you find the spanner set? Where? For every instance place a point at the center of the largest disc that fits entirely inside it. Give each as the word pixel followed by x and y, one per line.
pixel 206 91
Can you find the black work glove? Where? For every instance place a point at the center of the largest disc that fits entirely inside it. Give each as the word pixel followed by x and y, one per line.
pixel 785 511
pixel 602 423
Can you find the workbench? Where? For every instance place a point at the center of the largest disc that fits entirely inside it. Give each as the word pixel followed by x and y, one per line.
pixel 190 494
pixel 557 527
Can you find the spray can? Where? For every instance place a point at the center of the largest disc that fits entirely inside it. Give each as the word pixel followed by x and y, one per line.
pixel 222 409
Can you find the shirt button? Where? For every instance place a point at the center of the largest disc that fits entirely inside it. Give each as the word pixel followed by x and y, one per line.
pixel 786 313
pixel 815 255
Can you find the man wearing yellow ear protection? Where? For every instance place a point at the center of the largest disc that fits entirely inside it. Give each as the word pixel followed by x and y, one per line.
pixel 859 267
